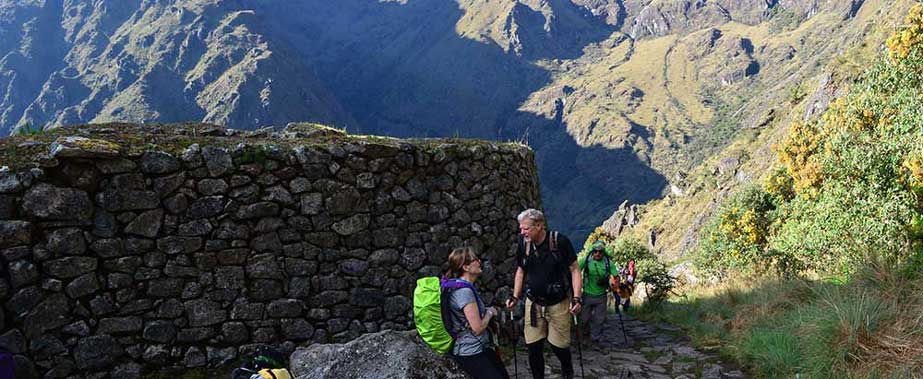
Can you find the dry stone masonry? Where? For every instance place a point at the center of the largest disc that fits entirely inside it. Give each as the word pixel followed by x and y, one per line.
pixel 187 245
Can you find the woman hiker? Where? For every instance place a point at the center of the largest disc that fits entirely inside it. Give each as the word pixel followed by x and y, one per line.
pixel 469 319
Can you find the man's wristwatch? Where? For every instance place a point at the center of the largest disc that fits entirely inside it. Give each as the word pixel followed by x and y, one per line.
pixel 578 300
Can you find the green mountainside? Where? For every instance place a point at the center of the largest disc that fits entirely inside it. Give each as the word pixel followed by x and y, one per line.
pixel 621 99
pixel 816 270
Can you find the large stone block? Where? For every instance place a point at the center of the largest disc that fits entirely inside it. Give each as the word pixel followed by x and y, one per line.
pixel 146 224
pixel 297 329
pixel 156 162
pixel 15 233
pixel 204 313
pixel 285 308
pixel 84 285
pixel 115 200
pixel 218 161
pixel 206 207
pixel 70 267
pixel 48 202
pixel 119 325
pixel 69 241
pixel 53 312
pixel 22 273
pixel 97 352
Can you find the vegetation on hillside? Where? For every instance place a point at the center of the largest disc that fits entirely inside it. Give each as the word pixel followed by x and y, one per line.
pixel 821 264
pixel 849 184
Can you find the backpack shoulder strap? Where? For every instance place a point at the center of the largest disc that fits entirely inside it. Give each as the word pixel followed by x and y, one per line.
pixel 450 285
pixel 554 241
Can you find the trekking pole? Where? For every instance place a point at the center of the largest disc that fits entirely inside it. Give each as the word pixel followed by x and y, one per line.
pixel 579 350
pixel 514 337
pixel 622 323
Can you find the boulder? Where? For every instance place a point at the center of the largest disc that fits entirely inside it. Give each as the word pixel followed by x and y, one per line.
pixel 387 354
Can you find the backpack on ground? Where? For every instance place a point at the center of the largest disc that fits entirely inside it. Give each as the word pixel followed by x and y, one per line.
pixel 264 363
pixel 431 312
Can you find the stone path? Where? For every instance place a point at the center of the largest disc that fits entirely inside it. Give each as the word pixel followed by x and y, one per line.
pixel 652 352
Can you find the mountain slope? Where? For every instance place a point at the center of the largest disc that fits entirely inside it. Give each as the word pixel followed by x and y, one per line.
pixel 154 61
pixel 622 99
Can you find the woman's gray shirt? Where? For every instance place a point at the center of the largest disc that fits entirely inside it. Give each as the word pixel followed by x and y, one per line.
pixel 466 344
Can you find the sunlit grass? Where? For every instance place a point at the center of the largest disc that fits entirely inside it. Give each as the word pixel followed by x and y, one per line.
pixel 868 327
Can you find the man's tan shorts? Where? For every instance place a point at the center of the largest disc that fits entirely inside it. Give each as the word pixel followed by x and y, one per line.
pixel 555 326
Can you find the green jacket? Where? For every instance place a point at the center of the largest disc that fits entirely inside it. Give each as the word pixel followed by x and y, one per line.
pixel 595 280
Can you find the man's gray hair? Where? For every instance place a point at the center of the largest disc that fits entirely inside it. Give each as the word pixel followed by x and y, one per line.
pixel 532 214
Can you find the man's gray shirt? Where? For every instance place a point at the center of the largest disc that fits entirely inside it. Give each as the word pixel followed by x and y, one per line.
pixel 466 344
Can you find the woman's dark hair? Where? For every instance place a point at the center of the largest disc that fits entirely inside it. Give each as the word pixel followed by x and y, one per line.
pixel 458 258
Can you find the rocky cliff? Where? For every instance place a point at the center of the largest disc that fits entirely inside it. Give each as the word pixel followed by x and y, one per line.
pixel 126 248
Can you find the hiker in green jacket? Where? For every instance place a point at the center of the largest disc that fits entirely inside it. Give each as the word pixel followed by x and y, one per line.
pixel 598 277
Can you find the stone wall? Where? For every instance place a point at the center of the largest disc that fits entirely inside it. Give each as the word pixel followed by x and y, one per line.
pixel 120 256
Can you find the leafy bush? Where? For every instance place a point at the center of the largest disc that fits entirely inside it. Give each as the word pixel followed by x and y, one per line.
pixel 625 249
pixel 736 238
pixel 798 154
pixel 599 234
pixel 849 184
pixel 905 41
pixel 654 274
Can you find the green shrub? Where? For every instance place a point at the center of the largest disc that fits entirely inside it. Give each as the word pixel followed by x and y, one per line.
pixel 735 239
pixel 852 182
pixel 654 274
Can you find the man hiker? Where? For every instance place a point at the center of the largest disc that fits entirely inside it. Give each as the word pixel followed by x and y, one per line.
pixel 548 275
pixel 599 277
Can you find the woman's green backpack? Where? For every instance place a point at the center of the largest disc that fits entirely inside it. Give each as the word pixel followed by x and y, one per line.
pixel 431 311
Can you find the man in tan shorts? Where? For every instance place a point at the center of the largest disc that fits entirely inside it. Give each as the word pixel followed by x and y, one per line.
pixel 547 265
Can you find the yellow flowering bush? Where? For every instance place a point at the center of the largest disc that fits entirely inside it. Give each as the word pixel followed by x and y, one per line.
pixel 735 239
pixel 910 36
pixel 798 154
pixel 780 184
pixel 848 184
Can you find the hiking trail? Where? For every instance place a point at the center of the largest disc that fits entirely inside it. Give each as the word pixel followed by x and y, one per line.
pixel 653 351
